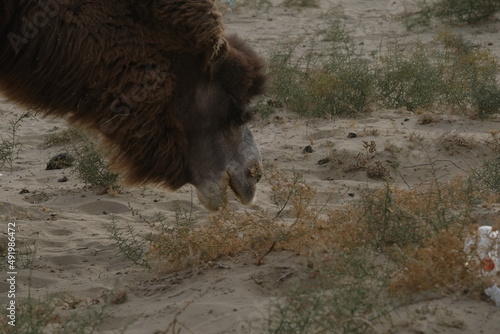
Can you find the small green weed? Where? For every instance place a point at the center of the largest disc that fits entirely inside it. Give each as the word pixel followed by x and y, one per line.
pixel 11 146
pixel 489 174
pixel 91 166
pixel 130 244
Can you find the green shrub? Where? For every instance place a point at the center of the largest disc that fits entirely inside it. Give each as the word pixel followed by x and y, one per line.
pixel 10 145
pixel 455 74
pixel 467 11
pixel 333 80
pixel 453 11
pixel 91 166
pixel 130 244
pixel 408 76
pixel 301 3
pixel 489 174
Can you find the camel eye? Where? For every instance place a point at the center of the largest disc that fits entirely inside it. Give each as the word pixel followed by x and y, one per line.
pixel 238 113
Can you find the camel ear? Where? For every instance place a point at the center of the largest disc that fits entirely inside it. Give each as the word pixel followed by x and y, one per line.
pixel 241 71
pixel 218 56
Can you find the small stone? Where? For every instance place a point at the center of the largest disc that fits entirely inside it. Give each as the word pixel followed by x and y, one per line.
pixel 24 191
pixel 63 179
pixel 308 149
pixel 352 135
pixel 324 161
pixel 60 161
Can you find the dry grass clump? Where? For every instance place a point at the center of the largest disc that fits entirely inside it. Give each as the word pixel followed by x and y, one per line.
pixel 226 233
pixel 391 242
pixel 422 231
pixel 439 264
pixel 405 226
pixel 64 137
pixel 395 218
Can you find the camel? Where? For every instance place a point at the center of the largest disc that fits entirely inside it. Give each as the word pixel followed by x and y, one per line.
pixel 162 83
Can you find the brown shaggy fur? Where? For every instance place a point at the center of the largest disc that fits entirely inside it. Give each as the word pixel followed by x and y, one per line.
pixel 127 68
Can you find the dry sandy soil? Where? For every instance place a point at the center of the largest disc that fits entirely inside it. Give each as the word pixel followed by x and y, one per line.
pixel 64 222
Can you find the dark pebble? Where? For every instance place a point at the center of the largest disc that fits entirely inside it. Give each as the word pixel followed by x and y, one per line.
pixel 352 135
pixel 60 161
pixel 308 149
pixel 63 179
pixel 24 191
pixel 324 161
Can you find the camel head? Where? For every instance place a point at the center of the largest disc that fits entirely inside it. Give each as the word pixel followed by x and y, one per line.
pixel 160 81
pixel 222 152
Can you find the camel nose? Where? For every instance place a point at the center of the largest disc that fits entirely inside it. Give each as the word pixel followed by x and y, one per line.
pixel 255 172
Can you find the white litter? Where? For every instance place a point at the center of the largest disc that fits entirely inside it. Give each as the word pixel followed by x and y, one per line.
pixel 494 294
pixel 484 247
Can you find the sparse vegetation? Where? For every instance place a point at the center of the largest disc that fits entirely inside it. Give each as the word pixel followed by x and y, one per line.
pixel 408 76
pixel 333 77
pixel 10 146
pixel 187 242
pixel 331 80
pixel 91 165
pixel 489 174
pixel 301 3
pixel 63 314
pixel 453 74
pixel 344 297
pixel 390 241
pixel 131 245
pixel 453 11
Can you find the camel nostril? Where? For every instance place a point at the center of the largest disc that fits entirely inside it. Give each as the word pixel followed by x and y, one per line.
pixel 255 173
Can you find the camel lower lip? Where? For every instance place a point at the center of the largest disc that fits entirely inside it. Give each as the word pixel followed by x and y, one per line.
pixel 214 195
pixel 244 197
